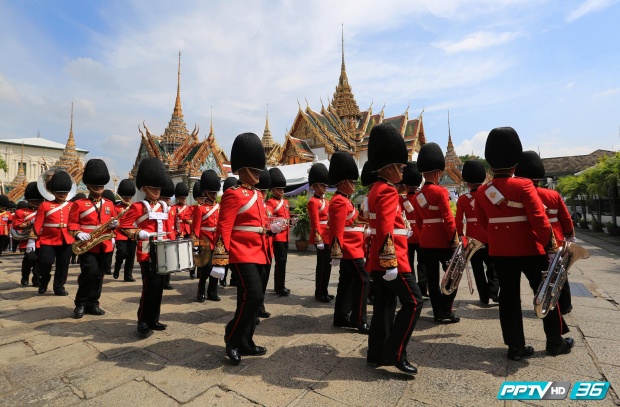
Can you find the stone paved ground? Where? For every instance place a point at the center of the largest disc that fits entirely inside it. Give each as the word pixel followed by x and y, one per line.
pixel 49 358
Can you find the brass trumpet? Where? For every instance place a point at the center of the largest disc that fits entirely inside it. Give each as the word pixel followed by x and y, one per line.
pixel 459 263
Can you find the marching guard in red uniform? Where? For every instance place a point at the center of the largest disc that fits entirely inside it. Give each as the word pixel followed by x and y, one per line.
pixel 86 216
pixel 125 248
pixel 520 236
pixel 228 183
pixel 144 220
pixel 24 219
pixel 185 215
pixel 318 209
pixel 347 246
pixel 263 186
pixel 278 206
pixel 53 238
pixel 5 223
pixel 474 175
pixel 388 258
pixel 532 167
pixel 241 241
pixel 435 223
pixel 167 191
pixel 204 225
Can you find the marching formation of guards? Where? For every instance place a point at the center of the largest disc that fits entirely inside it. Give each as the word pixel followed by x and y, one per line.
pixel 374 247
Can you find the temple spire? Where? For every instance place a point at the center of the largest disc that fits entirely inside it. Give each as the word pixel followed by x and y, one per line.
pixel 71 140
pixel 69 155
pixel 177 105
pixel 450 153
pixel 344 102
pixel 211 126
pixel 267 140
pixel 176 132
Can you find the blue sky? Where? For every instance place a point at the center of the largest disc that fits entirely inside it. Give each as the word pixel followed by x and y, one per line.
pixel 547 68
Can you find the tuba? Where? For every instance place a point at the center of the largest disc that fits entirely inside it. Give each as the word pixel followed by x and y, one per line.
pixel 555 277
pixel 21 234
pixel 45 177
pixel 202 252
pixel 459 263
pixel 102 233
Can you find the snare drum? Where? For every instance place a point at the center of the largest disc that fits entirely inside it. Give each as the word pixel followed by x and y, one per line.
pixel 174 255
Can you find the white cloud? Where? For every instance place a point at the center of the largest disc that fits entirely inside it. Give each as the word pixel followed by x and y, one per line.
pixel 477 41
pixel 570 85
pixel 587 7
pixel 7 91
pixel 606 93
pixel 473 145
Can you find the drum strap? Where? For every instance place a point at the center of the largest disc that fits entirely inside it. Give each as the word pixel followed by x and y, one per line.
pixel 211 212
pixel 56 209
pixel 249 204
pixel 30 216
pixel 352 214
pixel 148 209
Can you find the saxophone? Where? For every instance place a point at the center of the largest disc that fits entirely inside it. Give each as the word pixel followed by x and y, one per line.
pixel 99 235
pixel 459 263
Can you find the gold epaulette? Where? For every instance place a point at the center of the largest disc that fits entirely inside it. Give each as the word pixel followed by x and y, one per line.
pixel 387 254
pixel 336 250
pixel 220 254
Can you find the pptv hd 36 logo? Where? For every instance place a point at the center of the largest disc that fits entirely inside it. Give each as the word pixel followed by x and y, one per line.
pixel 552 391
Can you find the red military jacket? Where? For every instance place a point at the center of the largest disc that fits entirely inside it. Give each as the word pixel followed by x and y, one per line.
pixel 318 209
pixel 557 212
pixel 433 217
pixel 407 204
pixel 389 234
pixel 118 208
pixel 51 221
pixel 204 223
pixel 143 217
pixel 5 220
pixel 185 213
pixel 21 220
pixel 172 223
pixel 240 234
pixel 269 237
pixel 517 225
pixel 279 209
pixel 465 207
pixel 86 216
pixel 346 237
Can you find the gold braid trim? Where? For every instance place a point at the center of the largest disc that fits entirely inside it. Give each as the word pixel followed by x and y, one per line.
pixel 387 254
pixel 317 237
pixel 131 233
pixel 336 250
pixel 220 254
pixel 552 246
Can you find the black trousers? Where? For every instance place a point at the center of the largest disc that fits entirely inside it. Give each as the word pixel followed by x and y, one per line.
pixel 152 293
pixel 61 255
pixel 265 271
pixel 240 330
pixel 487 285
pixel 4 243
pixel 389 336
pixel 413 249
pixel 125 252
pixel 352 292
pixel 509 271
pixel 441 303
pixel 204 274
pixel 30 262
pixel 90 280
pixel 280 254
pixel 323 272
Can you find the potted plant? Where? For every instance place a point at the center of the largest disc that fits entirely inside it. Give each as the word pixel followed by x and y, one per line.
pixel 607 228
pixel 583 224
pixel 301 226
pixel 596 225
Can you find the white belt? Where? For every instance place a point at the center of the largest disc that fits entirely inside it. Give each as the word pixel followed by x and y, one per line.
pixel 433 207
pixel 552 211
pixel 88 227
pixel 55 225
pixel 514 204
pixel 508 219
pixel 551 220
pixel 256 229
pixel 399 232
pixel 323 222
pixel 433 220
pixel 354 229
pixel 372 215
pixel 472 219
pixel 207 229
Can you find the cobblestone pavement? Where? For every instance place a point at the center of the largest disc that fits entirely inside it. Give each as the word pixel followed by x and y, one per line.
pixel 49 358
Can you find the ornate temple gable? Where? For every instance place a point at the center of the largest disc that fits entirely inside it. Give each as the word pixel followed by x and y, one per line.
pixel 337 141
pixel 184 148
pixel 343 101
pixel 295 151
pixel 207 155
pixel 305 129
pixel 451 176
pixel 338 126
pixel 273 159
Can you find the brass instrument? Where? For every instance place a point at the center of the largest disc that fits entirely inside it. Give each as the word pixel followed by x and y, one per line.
pixel 202 252
pixel 102 233
pixel 22 234
pixel 459 263
pixel 45 177
pixel 555 277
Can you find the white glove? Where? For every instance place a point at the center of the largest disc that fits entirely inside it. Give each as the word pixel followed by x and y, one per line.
pixel 390 274
pixel 143 235
pixel 409 233
pixel 31 246
pixel 335 262
pixel 113 224
pixel 218 272
pixel 367 232
pixel 320 246
pixel 83 236
pixel 572 239
pixel 113 242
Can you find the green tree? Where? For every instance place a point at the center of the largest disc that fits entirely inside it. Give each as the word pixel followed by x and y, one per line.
pixel 473 157
pixel 4 166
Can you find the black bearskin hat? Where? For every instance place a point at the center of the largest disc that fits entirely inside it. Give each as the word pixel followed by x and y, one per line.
pixel 318 174
pixel 277 178
pixel 411 176
pixel 4 201
pixel 503 148
pixel 78 196
pixel 473 172
pixel 126 188
pixel 230 182
pixel 530 166
pixel 342 167
pixel 60 182
pixel 167 191
pixel 431 158
pixel 210 181
pixel 12 205
pixel 109 195
pixel 247 151
pixel 264 180
pixel 369 175
pixel 152 173
pixel 181 190
pixel 22 204
pixel 32 192
pixel 386 146
pixel 196 192
pixel 96 172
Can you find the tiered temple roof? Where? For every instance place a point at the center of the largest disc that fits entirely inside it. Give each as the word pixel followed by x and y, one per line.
pixel 70 160
pixel 452 175
pixel 18 185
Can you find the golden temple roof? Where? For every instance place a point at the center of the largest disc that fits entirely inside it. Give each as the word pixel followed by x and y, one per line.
pixel 344 102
